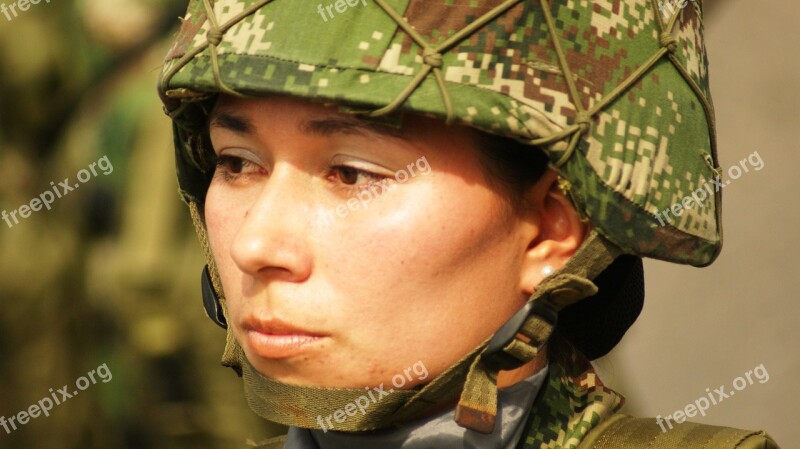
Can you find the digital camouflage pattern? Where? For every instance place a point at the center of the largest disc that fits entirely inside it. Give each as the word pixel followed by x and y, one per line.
pixel 629 127
pixel 615 94
pixel 573 401
pixel 575 410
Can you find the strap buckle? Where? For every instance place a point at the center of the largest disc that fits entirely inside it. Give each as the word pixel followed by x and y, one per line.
pixel 495 356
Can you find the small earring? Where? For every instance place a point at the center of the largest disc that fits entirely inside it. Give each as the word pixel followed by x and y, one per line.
pixel 547 270
pixel 211 300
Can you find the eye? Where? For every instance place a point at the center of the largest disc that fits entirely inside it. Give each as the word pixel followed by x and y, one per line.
pixel 231 164
pixel 352 176
pixel 230 168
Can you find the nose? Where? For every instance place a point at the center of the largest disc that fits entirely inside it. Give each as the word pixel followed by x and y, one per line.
pixel 270 243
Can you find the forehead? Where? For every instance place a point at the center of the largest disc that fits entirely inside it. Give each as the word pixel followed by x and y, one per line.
pixel 267 117
pixel 244 115
pixel 268 104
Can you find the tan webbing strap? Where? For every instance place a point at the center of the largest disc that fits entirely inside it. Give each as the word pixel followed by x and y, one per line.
pixel 282 403
pixel 625 432
pixel 304 406
pixel 528 334
pixel 472 376
pixel 476 372
pixel 230 356
pixel 273 443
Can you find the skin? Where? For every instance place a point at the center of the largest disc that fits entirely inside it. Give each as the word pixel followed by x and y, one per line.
pixel 427 272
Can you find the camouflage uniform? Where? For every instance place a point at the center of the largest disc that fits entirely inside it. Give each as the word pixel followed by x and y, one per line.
pixel 615 94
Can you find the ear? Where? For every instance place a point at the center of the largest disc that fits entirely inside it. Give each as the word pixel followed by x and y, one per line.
pixel 553 233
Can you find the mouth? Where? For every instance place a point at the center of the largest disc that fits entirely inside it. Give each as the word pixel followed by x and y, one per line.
pixel 275 339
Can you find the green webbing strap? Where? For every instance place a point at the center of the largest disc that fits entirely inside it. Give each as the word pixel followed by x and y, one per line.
pixel 299 406
pixel 304 406
pixel 477 408
pixel 273 443
pixel 625 432
pixel 474 376
pixel 476 372
pixel 230 356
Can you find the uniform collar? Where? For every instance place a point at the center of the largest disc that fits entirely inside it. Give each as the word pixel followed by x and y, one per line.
pixel 556 407
pixel 573 402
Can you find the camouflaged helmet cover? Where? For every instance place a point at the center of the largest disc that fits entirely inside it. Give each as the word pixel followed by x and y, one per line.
pixel 615 93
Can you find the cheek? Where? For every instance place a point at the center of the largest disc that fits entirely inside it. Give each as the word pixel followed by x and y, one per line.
pixel 217 227
pixel 222 220
pixel 432 253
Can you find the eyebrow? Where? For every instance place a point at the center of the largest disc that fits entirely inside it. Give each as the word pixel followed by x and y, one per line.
pixel 329 126
pixel 231 122
pixel 324 127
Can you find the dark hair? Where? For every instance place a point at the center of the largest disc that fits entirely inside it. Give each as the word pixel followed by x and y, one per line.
pixel 509 164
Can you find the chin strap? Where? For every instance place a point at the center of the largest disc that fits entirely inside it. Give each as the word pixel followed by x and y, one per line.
pixel 526 333
pixel 515 344
pixel 474 377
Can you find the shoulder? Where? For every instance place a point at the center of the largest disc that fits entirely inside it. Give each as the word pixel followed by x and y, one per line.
pixel 626 432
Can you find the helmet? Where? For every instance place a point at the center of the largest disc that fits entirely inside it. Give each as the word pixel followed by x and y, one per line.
pixel 615 93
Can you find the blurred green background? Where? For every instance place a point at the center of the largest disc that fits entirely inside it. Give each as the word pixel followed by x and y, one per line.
pixel 111 273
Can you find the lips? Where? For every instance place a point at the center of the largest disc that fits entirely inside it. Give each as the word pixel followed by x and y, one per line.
pixel 275 339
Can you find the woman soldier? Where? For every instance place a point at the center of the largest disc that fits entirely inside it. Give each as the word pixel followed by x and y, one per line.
pixel 422 218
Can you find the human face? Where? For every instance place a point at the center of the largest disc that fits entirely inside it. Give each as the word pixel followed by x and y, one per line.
pixel 423 273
